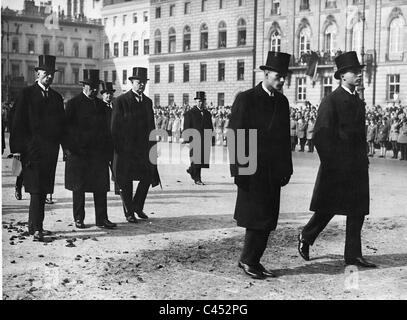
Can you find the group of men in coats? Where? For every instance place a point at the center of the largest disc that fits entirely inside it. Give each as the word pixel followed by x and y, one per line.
pixel 96 136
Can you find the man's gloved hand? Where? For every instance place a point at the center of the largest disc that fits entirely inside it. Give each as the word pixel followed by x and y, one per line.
pixel 284 181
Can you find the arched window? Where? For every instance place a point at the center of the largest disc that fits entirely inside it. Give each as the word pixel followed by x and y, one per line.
pixel 31 46
pixel 395 38
pixel 330 39
pixel 75 50
pixel 14 45
pixel 172 38
pixel 89 52
pixel 275 41
pixel 60 49
pixel 357 37
pixel 187 39
pixel 241 32
pixel 204 36
pixel 157 41
pixel 46 47
pixel 222 35
pixel 305 41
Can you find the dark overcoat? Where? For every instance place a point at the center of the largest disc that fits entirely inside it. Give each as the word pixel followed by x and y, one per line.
pixel 194 119
pixel 258 196
pixel 342 184
pixel 37 133
pixel 132 123
pixel 89 141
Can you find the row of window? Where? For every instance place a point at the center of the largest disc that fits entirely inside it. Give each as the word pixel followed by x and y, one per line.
pixel 60 48
pixel 185 99
pixel 187 7
pixel 124 19
pixel 204 37
pixel 304 5
pixel 125 49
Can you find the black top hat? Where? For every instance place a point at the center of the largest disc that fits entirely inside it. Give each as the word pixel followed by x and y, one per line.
pixel 47 63
pixel 91 77
pixel 139 73
pixel 346 61
pixel 200 95
pixel 277 61
pixel 107 87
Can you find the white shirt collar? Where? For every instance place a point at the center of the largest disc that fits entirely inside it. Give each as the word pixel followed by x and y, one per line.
pixel 88 96
pixel 348 90
pixel 271 94
pixel 42 86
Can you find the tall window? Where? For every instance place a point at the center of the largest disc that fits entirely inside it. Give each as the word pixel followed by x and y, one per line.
pixel 157 74
pixel 125 48
pixel 60 49
pixel 221 71
pixel 146 46
pixel 116 49
pixel 185 99
pixel 135 48
pixel 14 45
pixel 327 86
pixel 187 7
pixel 330 39
pixel 107 51
pixel 304 5
pixel 89 52
pixel 275 7
pixel 204 4
pixel 221 99
pixel 114 21
pixel 357 37
pixel 275 41
pixel 134 17
pixel 46 48
pixel 221 4
pixel 240 70
pixel 240 2
pixel 393 85
pixel 305 41
pixel 186 72
pixel 171 40
pixel 156 99
pixel 396 39
pixel 60 75
pixel 187 39
pixel 158 12
pixel 114 76
pixel 145 16
pixel 124 19
pixel 31 46
pixel 301 89
pixel 157 41
pixel 171 73
pixel 170 99
pixel 241 32
pixel 330 4
pixel 105 76
pixel 203 72
pixel 204 37
pixel 172 10
pixel 222 35
pixel 75 75
pixel 124 78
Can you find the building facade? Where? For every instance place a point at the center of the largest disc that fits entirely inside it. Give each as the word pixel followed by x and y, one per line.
pixel 34 31
pixel 125 41
pixel 329 27
pixel 203 45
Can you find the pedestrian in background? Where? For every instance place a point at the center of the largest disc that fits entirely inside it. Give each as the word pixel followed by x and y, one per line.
pixel 394 134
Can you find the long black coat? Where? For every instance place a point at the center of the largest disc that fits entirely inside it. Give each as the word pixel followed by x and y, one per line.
pixel 258 197
pixel 194 119
pixel 89 141
pixel 37 132
pixel 132 123
pixel 342 184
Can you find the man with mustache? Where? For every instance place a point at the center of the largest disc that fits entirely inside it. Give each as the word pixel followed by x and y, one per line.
pixel 342 184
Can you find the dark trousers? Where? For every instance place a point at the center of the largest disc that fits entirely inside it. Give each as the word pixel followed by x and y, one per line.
pixel 132 204
pixel 36 212
pixel 354 223
pixel 403 150
pixel 100 200
pixel 195 171
pixel 395 149
pixel 310 145
pixel 255 242
pixel 302 143
pixel 19 181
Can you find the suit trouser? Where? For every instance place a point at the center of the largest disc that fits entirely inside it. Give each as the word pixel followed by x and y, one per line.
pixel 132 204
pixel 195 170
pixel 302 143
pixel 255 242
pixel 36 212
pixel 354 223
pixel 19 181
pixel 100 200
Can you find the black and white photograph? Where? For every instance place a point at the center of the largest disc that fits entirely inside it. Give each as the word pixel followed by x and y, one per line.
pixel 220 152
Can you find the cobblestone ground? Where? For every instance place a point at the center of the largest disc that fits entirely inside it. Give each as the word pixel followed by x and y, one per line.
pixel 189 247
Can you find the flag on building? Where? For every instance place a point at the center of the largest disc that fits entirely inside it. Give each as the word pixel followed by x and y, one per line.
pixel 312 66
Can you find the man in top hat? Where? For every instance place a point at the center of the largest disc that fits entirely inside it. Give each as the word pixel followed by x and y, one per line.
pixel 135 157
pixel 199 119
pixel 107 93
pixel 266 110
pixel 89 151
pixel 342 183
pixel 36 135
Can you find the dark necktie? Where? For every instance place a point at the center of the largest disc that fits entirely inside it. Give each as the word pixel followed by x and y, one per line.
pixel 45 93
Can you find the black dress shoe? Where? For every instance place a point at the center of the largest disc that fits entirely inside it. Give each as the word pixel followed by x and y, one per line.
pixel 131 219
pixel 303 248
pixel 142 215
pixel 79 224
pixel 18 194
pixel 106 224
pixel 361 262
pixel 266 273
pixel 199 182
pixel 252 271
pixel 46 232
pixel 38 236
